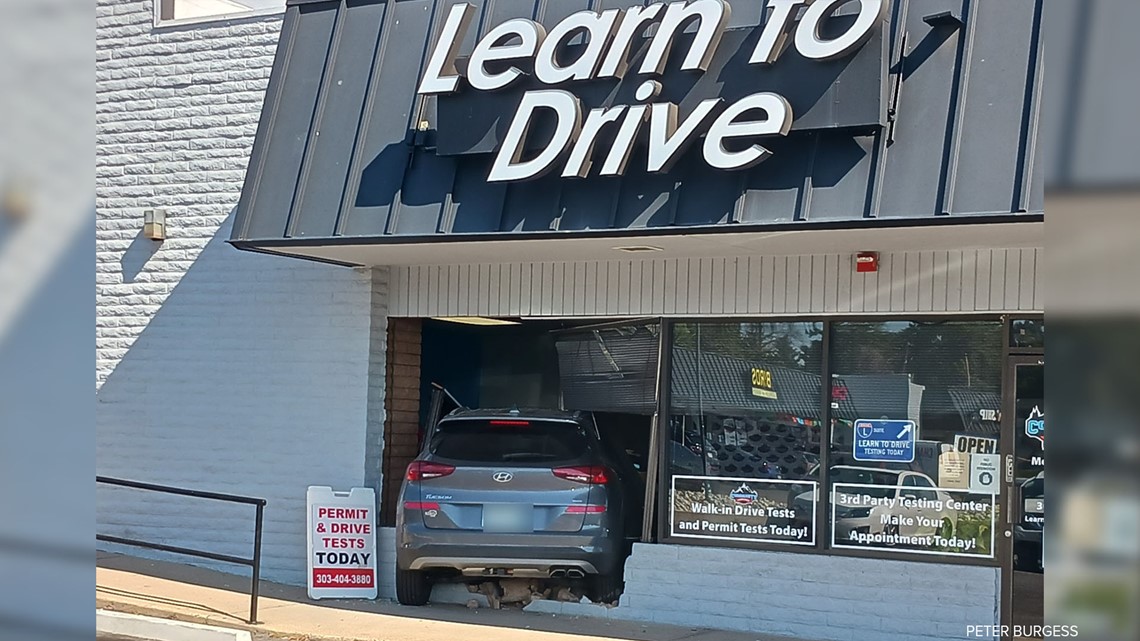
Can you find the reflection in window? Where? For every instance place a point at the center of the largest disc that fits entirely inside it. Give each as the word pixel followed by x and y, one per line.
pixel 944 377
pixel 745 431
pixel 1027 332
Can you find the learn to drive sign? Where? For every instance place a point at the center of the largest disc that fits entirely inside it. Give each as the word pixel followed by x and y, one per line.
pixel 884 441
pixel 342 543
pixel 588 47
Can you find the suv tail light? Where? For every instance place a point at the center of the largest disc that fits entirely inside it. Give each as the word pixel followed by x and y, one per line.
pixel 585 509
pixel 592 474
pixel 423 470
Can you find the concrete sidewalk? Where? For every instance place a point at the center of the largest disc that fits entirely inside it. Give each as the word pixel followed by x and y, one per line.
pixel 176 591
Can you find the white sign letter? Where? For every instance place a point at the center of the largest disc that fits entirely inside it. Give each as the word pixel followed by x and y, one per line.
pixel 666 138
pixel 578 164
pixel 598 26
pixel 713 16
pixel 775 33
pixel 508 163
pixel 812 46
pixel 622 146
pixel 777 121
pixel 530 34
pixel 440 76
pixel 633 23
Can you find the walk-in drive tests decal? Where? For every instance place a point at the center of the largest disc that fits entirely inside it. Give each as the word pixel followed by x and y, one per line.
pixel 342 543
pixel 743 509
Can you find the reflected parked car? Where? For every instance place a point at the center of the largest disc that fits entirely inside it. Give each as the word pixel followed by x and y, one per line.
pixel 884 502
pixel 514 493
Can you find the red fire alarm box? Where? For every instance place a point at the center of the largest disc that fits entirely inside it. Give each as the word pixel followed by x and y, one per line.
pixel 866 262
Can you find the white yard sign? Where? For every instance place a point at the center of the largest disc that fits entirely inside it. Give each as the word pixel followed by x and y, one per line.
pixel 342 543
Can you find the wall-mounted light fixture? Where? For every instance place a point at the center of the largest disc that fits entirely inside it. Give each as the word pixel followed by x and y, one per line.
pixel 154 224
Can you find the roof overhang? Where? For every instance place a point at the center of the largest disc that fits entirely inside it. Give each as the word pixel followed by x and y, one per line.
pixel 883 236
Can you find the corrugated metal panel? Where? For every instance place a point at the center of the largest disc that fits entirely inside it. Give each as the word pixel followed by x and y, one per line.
pixel 347 70
pixel 920 282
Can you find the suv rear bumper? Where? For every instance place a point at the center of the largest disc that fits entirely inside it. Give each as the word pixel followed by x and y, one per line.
pixel 474 553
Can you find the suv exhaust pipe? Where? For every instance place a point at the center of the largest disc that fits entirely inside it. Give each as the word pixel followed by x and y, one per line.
pixel 575 573
pixel 558 573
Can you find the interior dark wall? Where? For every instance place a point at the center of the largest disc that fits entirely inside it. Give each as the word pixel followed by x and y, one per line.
pixel 520 367
pixel 452 357
pixel 490 366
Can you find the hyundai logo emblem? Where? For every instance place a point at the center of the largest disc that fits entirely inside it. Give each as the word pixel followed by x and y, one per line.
pixel 502 477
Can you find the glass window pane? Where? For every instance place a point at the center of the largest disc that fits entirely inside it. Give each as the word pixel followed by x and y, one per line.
pixel 522 442
pixel 1026 332
pixel 745 431
pixel 915 405
pixel 212 9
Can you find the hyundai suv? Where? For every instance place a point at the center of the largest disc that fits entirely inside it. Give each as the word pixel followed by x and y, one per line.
pixel 515 493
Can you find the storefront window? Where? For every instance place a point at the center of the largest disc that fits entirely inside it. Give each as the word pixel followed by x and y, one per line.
pixel 745 432
pixel 915 418
pixel 1027 333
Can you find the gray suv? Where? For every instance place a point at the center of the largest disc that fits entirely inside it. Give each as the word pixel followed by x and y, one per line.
pixel 514 493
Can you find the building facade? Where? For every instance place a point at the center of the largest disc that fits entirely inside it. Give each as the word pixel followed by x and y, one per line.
pixel 339 189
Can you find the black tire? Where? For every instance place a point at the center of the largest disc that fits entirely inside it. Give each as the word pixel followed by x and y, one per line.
pixel 604 588
pixel 412 587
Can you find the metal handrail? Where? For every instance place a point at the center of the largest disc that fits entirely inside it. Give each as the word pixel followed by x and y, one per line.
pixel 254 562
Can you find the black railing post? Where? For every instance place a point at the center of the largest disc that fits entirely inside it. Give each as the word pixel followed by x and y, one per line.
pixel 256 579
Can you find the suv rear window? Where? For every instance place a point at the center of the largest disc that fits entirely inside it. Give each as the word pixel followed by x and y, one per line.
pixel 509 441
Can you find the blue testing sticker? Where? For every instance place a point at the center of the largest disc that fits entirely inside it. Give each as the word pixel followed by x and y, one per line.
pixel 884 441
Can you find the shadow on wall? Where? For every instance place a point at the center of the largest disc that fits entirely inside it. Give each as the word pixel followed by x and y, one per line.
pixel 249 376
pixel 137 255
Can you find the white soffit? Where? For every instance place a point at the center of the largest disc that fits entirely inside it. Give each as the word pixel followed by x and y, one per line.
pixel 779 243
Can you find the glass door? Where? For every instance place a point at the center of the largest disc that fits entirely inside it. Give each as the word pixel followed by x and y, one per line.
pixel 1025 498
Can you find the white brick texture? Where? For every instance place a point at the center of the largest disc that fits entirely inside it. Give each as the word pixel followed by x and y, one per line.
pixel 215 369
pixel 806 596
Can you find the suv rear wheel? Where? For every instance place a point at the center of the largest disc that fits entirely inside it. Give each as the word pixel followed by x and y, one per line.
pixel 412 587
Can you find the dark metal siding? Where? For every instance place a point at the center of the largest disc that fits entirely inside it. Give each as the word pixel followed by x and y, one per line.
pixel 336 152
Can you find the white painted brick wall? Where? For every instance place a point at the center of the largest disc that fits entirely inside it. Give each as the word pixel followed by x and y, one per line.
pixel 806 595
pixel 215 369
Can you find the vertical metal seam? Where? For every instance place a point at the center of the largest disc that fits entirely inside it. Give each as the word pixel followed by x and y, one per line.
pixel 353 175
pixel 274 91
pixel 946 294
pixel 1031 116
pixel 1036 272
pixel 305 168
pixel 954 124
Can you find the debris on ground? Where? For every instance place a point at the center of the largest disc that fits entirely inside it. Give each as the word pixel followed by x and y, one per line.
pixel 517 590
pixel 565 593
pixel 494 595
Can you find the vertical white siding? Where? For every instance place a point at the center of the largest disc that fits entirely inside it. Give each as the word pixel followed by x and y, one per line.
pixel 918 282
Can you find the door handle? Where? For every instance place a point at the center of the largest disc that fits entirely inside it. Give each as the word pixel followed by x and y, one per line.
pixel 1011 492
